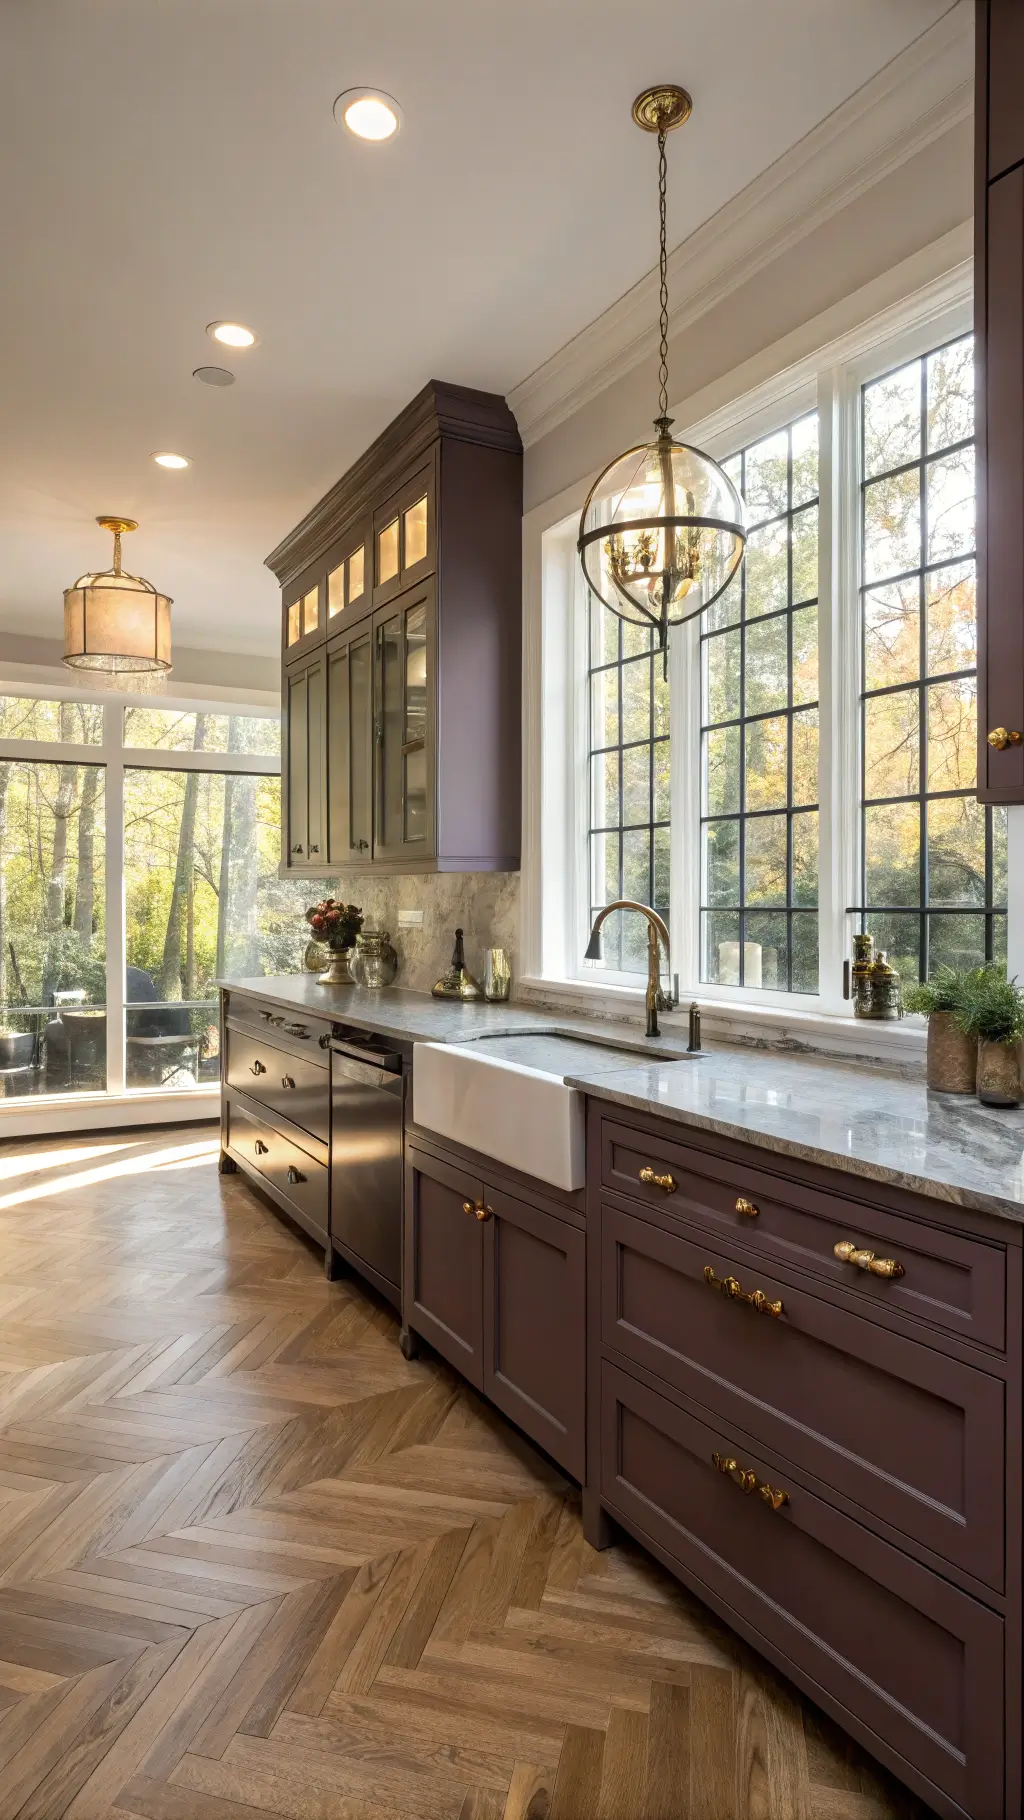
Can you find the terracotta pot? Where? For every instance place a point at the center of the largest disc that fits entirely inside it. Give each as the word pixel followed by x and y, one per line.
pixel 999 1074
pixel 952 1062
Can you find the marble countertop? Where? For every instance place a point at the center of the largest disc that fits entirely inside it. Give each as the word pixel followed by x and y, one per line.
pixel 868 1124
pixel 865 1122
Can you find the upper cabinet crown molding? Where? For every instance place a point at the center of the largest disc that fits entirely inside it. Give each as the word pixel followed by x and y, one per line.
pixel 913 100
pixel 439 410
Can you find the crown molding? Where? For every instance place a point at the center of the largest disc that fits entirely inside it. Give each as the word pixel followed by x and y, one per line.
pixel 911 102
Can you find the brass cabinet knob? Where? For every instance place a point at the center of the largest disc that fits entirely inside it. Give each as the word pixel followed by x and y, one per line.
pixel 650 1180
pixel 754 1298
pixel 484 1213
pixel 748 1481
pixel 295 1175
pixel 261 1148
pixel 257 1067
pixel 848 1253
pixel 468 1207
pixel 747 1207
pixel 286 1080
pixel 1000 738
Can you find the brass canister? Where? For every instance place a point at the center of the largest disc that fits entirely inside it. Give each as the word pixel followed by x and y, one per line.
pixel 880 991
pixel 860 974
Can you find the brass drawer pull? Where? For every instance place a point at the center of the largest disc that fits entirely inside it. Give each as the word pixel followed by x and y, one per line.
pixel 297 1030
pixel 749 1482
pixel 295 1175
pixel 650 1180
pixel 754 1298
pixel 848 1253
pixel 325 1041
pixel 257 1067
pixel 1000 738
pixel 261 1148
pixel 286 1080
pixel 747 1207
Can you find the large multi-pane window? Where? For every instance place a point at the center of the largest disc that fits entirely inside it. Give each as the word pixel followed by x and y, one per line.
pixel 759 730
pixel 628 781
pixel 175 815
pixel 933 859
pixel 795 812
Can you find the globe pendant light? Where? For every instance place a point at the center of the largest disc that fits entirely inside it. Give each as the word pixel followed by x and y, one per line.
pixel 662 533
pixel 116 622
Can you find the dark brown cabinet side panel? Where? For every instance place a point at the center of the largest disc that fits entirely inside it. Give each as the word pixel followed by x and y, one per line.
pixel 1001 580
pixel 1004 67
pixel 911 1658
pixel 443 1290
pixel 535 1324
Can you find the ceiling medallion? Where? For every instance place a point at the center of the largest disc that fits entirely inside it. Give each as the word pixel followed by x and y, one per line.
pixel 116 623
pixel 662 533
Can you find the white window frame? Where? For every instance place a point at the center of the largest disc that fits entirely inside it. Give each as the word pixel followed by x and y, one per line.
pixel 556 820
pixel 49 1112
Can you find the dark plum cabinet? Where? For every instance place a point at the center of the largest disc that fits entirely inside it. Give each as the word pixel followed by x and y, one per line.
pixel 495 1281
pixel 829 1457
pixel 999 321
pixel 401 636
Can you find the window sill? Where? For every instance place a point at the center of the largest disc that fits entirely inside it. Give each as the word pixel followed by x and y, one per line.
pixel 43 1114
pixel 839 1035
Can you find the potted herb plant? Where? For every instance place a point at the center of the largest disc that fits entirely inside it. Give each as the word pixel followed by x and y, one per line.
pixel 993 1011
pixel 338 925
pixel 952 1055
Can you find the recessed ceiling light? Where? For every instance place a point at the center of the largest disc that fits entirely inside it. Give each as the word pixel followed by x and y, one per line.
pixel 213 376
pixel 166 460
pixel 368 113
pixel 232 334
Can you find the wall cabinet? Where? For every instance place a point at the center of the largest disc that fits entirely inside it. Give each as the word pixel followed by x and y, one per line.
pixel 496 1283
pixel 401 634
pixel 999 322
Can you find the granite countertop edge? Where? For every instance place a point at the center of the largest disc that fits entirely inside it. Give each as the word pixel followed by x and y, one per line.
pixel 936 1188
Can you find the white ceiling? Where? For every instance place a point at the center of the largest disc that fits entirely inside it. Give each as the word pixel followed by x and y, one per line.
pixel 169 162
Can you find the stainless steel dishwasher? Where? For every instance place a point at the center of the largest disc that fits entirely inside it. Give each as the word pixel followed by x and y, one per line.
pixel 367 1104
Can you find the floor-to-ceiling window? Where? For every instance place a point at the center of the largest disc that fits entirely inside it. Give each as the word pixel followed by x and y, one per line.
pixel 139 851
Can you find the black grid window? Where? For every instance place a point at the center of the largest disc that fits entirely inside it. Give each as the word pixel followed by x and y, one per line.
pixel 759 730
pixel 628 781
pixel 933 859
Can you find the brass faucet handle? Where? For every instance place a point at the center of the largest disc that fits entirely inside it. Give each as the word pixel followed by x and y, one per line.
pixel 667 1183
pixel 1001 737
pixel 848 1253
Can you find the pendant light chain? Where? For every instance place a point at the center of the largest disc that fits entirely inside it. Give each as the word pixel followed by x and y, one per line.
pixel 663 267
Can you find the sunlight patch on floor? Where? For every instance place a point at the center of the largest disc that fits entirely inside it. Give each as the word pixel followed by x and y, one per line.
pixel 144 1162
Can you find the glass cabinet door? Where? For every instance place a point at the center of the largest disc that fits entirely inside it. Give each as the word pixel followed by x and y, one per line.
pixel 404 812
pixel 350 750
pixel 304 765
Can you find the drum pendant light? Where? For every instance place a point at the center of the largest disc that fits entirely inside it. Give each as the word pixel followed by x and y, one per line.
pixel 662 532
pixel 116 622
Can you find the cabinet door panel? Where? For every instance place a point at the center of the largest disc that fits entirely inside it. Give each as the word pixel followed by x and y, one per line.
pixel 911 1435
pixel 350 748
pixel 443 1291
pixel 535 1325
pixel 298 768
pixel 1001 589
pixel 404 645
pixel 317 762
pixel 914 1660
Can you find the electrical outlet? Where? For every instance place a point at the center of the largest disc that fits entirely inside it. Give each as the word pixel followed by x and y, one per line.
pixel 410 919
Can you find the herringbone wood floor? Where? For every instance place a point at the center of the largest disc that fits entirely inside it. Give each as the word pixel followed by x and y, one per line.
pixel 254 1563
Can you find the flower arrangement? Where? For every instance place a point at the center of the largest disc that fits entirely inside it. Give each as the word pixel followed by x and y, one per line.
pixel 335 923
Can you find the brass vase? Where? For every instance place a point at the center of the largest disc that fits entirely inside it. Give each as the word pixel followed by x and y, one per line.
pixel 337 971
pixel 999 1074
pixel 952 1057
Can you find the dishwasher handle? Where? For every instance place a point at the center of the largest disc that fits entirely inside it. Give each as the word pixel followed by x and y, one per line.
pixel 353 1068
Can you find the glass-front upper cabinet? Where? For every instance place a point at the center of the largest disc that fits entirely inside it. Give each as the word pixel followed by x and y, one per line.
pixel 350 747
pixel 303 621
pixel 347 579
pixel 404 659
pixel 404 537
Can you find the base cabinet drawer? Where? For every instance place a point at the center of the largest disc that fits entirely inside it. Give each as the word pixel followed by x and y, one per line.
pixel 913 1659
pixel 299 1178
pixel 294 1026
pixel 288 1084
pixel 954 1281
pixel 914 1437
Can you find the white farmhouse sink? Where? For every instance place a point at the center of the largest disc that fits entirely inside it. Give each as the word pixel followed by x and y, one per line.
pixel 519 1112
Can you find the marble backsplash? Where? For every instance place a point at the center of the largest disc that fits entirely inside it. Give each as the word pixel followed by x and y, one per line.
pixel 485 905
